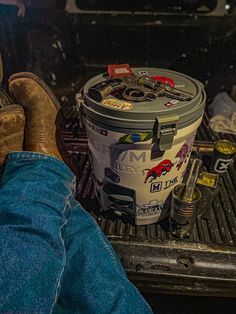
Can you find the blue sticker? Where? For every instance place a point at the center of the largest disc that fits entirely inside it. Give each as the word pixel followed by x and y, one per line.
pixel 136 137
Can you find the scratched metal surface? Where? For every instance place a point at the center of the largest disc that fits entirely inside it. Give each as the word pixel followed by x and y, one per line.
pixel 220 229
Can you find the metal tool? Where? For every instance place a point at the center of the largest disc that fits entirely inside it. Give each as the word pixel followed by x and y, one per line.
pixel 185 200
pixel 137 88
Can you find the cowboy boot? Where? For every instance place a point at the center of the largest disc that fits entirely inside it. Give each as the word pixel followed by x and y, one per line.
pixel 1 70
pixel 12 123
pixel 5 99
pixel 41 108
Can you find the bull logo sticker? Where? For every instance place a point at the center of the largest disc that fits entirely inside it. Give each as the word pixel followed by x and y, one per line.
pixel 162 168
pixel 184 152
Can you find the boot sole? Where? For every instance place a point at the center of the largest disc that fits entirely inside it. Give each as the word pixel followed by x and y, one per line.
pixel 35 78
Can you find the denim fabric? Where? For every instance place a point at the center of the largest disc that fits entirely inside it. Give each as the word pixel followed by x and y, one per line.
pixel 53 256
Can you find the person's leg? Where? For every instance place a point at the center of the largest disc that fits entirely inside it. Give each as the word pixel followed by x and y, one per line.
pixel 34 192
pixel 34 195
pixel 93 274
pixel 94 280
pixel 1 70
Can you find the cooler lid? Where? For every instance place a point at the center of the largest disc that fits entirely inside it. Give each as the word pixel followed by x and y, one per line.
pixel 163 112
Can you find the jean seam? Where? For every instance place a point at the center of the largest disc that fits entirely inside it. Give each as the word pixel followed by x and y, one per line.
pixel 13 155
pixel 64 251
pixel 36 156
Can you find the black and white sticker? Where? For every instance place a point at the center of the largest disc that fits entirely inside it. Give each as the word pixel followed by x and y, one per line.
pixel 143 72
pixel 222 165
pixel 156 187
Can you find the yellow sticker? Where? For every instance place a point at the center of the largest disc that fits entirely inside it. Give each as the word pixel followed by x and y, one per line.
pixel 208 179
pixel 117 104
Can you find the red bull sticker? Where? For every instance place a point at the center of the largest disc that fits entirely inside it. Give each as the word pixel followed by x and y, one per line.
pixel 162 168
pixel 185 152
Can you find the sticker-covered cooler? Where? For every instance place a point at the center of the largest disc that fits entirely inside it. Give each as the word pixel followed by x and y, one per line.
pixel 141 124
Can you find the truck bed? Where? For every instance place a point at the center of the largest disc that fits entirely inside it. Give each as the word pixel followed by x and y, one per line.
pixel 153 259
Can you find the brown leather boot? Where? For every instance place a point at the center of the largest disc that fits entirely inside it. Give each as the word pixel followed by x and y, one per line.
pixel 1 70
pixel 5 99
pixel 12 123
pixel 41 107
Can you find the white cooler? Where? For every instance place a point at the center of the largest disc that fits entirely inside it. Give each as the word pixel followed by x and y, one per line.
pixel 140 150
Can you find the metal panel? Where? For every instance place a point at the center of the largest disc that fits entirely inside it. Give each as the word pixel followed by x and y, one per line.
pixel 73 8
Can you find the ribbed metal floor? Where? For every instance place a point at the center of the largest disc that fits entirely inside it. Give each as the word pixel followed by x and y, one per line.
pixel 220 229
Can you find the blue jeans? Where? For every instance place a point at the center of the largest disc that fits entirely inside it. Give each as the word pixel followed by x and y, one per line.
pixel 53 256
